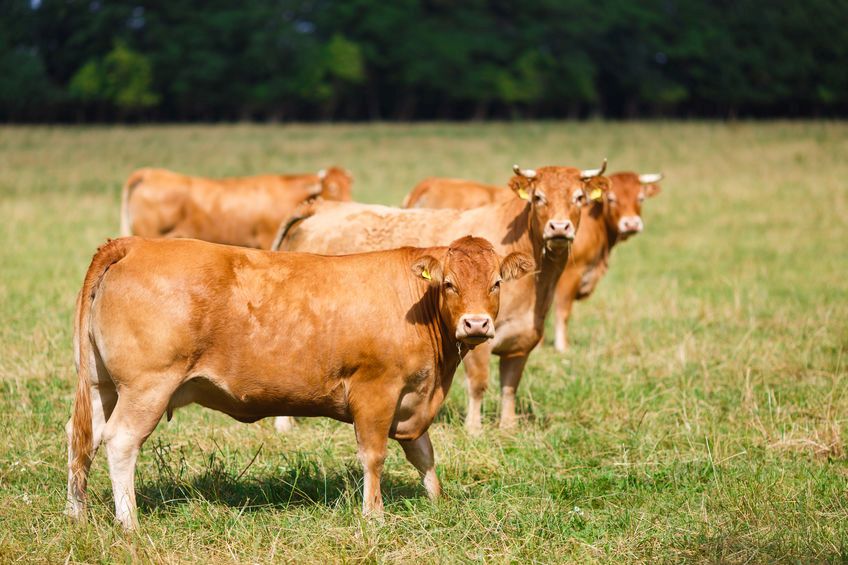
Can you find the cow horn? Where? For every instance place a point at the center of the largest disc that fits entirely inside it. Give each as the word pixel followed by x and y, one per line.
pixel 526 173
pixel 322 173
pixel 586 174
pixel 650 178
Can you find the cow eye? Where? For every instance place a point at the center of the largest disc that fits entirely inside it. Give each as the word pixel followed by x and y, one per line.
pixel 449 286
pixel 641 198
pixel 611 198
pixel 539 198
pixel 579 197
pixel 496 286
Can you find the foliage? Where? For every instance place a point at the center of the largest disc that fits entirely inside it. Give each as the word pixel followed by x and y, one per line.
pixel 122 78
pixel 306 59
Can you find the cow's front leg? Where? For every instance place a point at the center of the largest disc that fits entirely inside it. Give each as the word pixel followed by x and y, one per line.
pixel 419 452
pixel 511 370
pixel 566 291
pixel 477 379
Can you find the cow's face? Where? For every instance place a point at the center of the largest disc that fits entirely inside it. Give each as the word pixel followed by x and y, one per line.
pixel 335 184
pixel 556 196
pixel 624 201
pixel 468 280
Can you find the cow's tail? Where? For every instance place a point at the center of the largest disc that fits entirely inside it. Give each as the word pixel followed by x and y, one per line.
pixel 135 179
pixel 81 435
pixel 302 212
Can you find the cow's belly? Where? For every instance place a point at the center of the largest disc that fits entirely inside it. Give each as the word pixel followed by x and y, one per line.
pixel 261 399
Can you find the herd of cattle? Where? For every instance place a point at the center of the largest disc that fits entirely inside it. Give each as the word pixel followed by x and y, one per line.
pixel 279 296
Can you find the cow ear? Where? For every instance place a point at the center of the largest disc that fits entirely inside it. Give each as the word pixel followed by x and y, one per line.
pixel 597 187
pixel 521 187
pixel 516 265
pixel 429 269
pixel 651 189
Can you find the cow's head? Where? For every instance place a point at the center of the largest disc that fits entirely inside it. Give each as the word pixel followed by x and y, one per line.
pixel 468 280
pixel 556 196
pixel 624 202
pixel 335 184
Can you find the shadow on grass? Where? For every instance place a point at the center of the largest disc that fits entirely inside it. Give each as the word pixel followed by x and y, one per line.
pixel 300 481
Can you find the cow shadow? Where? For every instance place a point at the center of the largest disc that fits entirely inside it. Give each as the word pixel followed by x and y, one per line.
pixel 303 483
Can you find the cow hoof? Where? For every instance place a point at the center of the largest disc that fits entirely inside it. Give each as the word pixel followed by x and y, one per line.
pixel 474 429
pixel 76 512
pixel 507 425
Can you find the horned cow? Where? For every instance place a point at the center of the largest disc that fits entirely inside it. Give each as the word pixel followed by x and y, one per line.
pixel 541 218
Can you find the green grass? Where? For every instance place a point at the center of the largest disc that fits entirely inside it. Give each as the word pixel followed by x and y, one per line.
pixel 700 415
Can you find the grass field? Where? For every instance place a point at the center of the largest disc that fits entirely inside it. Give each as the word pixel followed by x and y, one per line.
pixel 701 413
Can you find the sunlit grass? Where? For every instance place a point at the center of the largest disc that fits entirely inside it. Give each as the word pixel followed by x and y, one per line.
pixel 701 413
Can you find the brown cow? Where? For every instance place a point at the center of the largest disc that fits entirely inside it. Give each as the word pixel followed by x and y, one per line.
pixel 461 194
pixel 540 219
pixel 242 211
pixel 605 222
pixel 371 339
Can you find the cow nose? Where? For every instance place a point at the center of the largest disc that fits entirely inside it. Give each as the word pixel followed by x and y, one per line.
pixel 559 229
pixel 630 224
pixel 476 325
pixel 474 329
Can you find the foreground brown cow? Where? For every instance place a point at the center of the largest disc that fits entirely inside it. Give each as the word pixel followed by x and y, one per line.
pixel 372 339
pixel 242 211
pixel 540 219
pixel 605 222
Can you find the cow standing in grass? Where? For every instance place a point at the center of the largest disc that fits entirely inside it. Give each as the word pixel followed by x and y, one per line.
pixel 605 222
pixel 243 211
pixel 371 339
pixel 541 219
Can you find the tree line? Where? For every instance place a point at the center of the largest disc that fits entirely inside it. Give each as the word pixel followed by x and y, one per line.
pixel 420 59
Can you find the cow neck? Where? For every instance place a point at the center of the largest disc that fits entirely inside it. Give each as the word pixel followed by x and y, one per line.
pixel 429 324
pixel 611 232
pixel 550 263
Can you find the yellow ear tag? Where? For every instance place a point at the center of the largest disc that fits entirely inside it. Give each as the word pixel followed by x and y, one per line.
pixel 522 194
pixel 425 274
pixel 596 194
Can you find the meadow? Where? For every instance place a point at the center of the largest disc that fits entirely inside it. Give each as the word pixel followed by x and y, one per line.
pixel 700 415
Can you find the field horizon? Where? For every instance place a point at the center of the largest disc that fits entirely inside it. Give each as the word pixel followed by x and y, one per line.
pixel 700 414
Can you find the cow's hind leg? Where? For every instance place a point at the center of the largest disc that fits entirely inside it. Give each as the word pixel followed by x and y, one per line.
pixel 511 369
pixel 133 420
pixel 419 452
pixel 103 399
pixel 477 381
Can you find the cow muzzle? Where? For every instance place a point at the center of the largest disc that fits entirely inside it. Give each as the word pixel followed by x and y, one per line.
pixel 474 329
pixel 559 234
pixel 630 225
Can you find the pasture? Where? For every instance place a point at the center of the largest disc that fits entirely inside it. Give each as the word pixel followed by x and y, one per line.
pixel 701 413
